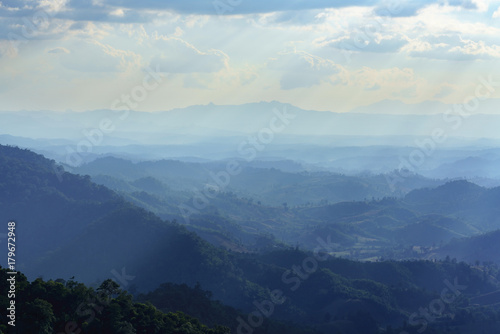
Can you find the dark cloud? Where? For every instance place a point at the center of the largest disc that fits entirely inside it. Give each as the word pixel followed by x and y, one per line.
pixel 236 6
pixel 467 4
pixel 101 11
pixel 142 11
pixel 401 8
pixel 407 8
pixel 384 7
pixel 85 10
pixel 88 10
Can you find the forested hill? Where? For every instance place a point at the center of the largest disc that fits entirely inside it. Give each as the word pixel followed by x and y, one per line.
pixel 477 205
pixel 51 206
pixel 68 226
pixel 62 306
pixel 483 248
pixel 25 174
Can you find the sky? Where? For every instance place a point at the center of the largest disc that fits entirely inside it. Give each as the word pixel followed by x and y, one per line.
pixel 157 55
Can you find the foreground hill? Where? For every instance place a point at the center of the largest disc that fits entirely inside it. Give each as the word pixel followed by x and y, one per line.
pixel 73 227
pixel 61 307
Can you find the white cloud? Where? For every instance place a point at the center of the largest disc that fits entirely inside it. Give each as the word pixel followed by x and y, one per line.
pixel 389 77
pixel 8 48
pixel 196 81
pixel 52 6
pixel 92 46
pixel 481 5
pixel 453 49
pixel 120 12
pixel 178 56
pixel 445 91
pixel 360 42
pixel 496 14
pixel 477 49
pixel 58 50
pixel 301 69
pixel 93 56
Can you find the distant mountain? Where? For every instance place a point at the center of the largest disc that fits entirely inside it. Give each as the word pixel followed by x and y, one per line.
pixel 461 199
pixel 469 167
pixel 29 142
pixel 271 182
pixel 397 107
pixel 452 195
pixel 197 124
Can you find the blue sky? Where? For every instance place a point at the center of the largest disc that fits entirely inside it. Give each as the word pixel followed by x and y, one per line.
pixel 322 55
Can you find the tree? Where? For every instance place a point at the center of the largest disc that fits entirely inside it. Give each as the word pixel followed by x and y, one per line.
pixel 37 317
pixel 109 288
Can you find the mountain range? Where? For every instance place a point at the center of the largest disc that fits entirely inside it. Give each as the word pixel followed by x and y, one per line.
pixel 72 227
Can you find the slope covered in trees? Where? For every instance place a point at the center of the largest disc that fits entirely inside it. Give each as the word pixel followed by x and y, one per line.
pixel 47 307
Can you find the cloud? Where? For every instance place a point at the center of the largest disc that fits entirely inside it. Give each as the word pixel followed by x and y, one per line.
pixel 400 8
pixel 88 10
pixel 292 18
pixel 452 48
pixel 217 7
pixel 58 50
pixel 400 82
pixel 383 7
pixel 406 8
pixel 466 4
pixel 372 87
pixel 178 56
pixel 97 57
pixel 361 42
pixel 301 69
pixel 407 92
pixel 138 11
pixel 496 14
pixel 8 49
pixel 476 50
pixel 194 81
pixel 444 92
